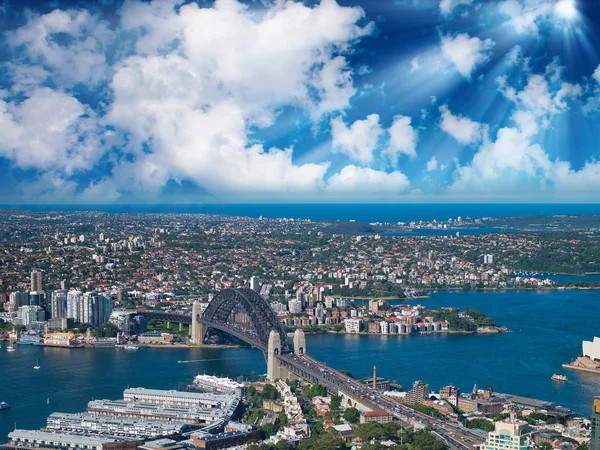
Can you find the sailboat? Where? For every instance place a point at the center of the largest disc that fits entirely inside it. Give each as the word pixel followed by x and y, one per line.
pixel 48 401
pixel 10 348
pixel 37 365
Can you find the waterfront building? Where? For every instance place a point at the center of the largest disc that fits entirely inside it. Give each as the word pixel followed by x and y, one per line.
pixel 112 426
pixel 418 393
pixel 60 339
pixel 510 434
pixel 75 305
pixel 59 303
pixel 140 411
pixel 595 440
pixel 450 394
pixel 32 439
pixel 352 325
pixel 36 281
pixel 180 399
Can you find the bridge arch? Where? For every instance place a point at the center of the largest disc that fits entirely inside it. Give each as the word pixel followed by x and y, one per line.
pixel 260 315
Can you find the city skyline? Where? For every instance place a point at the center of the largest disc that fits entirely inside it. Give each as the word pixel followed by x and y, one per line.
pixel 451 100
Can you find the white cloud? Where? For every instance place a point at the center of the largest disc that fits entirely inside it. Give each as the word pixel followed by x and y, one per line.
pixel 466 53
pixel 447 6
pixel 403 139
pixel 596 74
pixel 432 164
pixel 514 163
pixel 514 55
pixel 359 140
pixel 71 43
pixel 463 129
pixel 191 97
pixel 50 130
pixel 363 181
pixel 526 16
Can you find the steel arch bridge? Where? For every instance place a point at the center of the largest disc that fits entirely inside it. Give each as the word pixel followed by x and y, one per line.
pixel 261 318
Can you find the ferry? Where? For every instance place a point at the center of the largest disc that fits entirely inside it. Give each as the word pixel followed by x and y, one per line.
pixel 4 405
pixel 556 377
pixel 131 347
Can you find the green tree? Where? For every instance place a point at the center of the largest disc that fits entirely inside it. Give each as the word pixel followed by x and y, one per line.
pixel 106 330
pixel 269 392
pixel 316 390
pixel 336 402
pixel 351 415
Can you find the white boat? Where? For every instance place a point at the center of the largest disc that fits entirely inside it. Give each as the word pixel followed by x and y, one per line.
pixel 10 348
pixel 131 347
pixel 4 405
pixel 37 365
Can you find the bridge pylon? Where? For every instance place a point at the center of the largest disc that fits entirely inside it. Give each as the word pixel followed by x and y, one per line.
pixel 299 342
pixel 273 351
pixel 197 329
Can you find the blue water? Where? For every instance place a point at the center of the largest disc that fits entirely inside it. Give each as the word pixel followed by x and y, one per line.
pixel 548 329
pixel 360 212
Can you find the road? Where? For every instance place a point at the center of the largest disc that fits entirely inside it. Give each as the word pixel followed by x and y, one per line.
pixel 454 436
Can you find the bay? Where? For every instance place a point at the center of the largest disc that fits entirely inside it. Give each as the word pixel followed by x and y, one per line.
pixel 548 328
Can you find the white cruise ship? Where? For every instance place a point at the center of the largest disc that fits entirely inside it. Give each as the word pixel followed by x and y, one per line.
pixel 216 384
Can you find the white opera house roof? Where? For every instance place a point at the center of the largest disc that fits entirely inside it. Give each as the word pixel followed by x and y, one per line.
pixel 591 349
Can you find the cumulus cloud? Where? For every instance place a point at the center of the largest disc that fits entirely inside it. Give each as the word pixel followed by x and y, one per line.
pixel 70 43
pixel 186 98
pixel 403 139
pixel 359 140
pixel 447 6
pixel 364 181
pixel 466 53
pixel 50 130
pixel 514 163
pixel 463 129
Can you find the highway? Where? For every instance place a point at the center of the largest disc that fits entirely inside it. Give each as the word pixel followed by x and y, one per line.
pixel 454 436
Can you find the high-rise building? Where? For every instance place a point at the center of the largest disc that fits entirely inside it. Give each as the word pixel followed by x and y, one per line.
pixel 512 433
pixel 295 306
pixel 36 281
pixel 65 284
pixel 97 308
pixel 30 314
pixel 36 298
pixel 488 259
pixel 59 303
pixel 74 305
pixel 595 441
pixel 18 299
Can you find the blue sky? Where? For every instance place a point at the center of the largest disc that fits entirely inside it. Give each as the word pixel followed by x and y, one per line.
pixel 283 101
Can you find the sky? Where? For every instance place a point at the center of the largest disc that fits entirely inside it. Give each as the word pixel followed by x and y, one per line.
pixel 227 101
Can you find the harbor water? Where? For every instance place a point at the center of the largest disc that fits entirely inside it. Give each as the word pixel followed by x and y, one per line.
pixel 547 330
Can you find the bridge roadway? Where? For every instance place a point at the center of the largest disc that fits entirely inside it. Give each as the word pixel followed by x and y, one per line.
pixel 455 437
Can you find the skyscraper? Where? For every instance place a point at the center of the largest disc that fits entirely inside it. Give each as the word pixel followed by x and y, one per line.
pixel 35 298
pixel 97 308
pixel 59 303
pixel 36 281
pixel 18 299
pixel 595 441
pixel 74 305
